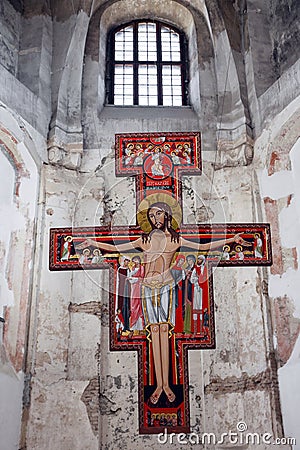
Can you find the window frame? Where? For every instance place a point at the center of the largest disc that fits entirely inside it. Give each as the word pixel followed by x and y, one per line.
pixel 111 62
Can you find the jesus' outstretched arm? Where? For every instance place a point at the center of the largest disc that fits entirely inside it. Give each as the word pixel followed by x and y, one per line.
pixel 126 247
pixel 213 244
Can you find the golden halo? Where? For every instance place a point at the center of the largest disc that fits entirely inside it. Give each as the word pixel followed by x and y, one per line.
pixel 226 248
pixel 256 235
pixel 146 203
pixel 68 239
pixel 238 248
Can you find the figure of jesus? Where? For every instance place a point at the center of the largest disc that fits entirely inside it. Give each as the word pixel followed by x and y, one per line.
pixel 157 167
pixel 159 247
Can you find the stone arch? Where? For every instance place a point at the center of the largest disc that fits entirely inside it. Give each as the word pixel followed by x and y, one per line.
pixel 278 157
pixel 16 234
pixel 18 197
pixel 8 145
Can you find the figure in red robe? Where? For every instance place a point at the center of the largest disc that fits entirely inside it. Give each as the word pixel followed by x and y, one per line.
pixel 137 322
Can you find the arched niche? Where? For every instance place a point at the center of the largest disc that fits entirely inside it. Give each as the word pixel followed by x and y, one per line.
pixel 192 22
pixel 18 196
pixel 214 85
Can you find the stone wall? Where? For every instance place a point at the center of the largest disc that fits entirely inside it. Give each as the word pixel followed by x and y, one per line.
pixel 10 24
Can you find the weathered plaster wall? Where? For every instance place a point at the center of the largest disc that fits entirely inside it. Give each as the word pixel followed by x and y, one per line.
pixel 25 61
pixel 94 391
pixel 10 25
pixel 73 311
pixel 278 25
pixel 278 158
pixel 35 56
pixel 62 365
pixel 18 197
pixel 53 78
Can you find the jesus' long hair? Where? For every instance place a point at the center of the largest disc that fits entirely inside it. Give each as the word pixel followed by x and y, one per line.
pixel 167 222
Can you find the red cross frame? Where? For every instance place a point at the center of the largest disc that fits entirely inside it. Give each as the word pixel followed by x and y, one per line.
pixel 158 162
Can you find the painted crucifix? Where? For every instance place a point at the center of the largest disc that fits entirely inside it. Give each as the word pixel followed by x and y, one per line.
pixel 161 301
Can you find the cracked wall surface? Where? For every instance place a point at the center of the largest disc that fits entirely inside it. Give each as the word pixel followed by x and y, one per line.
pixel 18 196
pixel 280 189
pixel 72 341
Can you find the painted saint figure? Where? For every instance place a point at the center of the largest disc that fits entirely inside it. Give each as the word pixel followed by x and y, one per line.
pixel 66 251
pixel 258 246
pixel 159 247
pixel 139 159
pixel 187 157
pixel 239 254
pixel 135 278
pixel 226 255
pixel 199 275
pixel 97 257
pixel 175 159
pixel 157 167
pixel 119 322
pixel 84 258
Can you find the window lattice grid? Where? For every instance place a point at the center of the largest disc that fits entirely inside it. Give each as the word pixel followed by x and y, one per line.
pixel 123 89
pixel 172 85
pixel 124 44
pixel 147 41
pixel 148 66
pixel 147 87
pixel 170 45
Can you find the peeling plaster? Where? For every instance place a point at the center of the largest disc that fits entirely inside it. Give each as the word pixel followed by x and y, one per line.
pixel 260 381
pixel 280 187
pixel 275 186
pixel 289 225
pixel 286 284
pixel 18 192
pixel 287 328
pixel 289 376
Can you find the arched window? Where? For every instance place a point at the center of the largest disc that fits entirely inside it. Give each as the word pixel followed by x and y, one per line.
pixel 147 65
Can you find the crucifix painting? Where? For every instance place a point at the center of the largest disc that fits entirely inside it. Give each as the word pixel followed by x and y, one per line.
pixel 161 291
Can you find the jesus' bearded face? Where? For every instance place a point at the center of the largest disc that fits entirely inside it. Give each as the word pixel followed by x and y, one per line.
pixel 157 217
